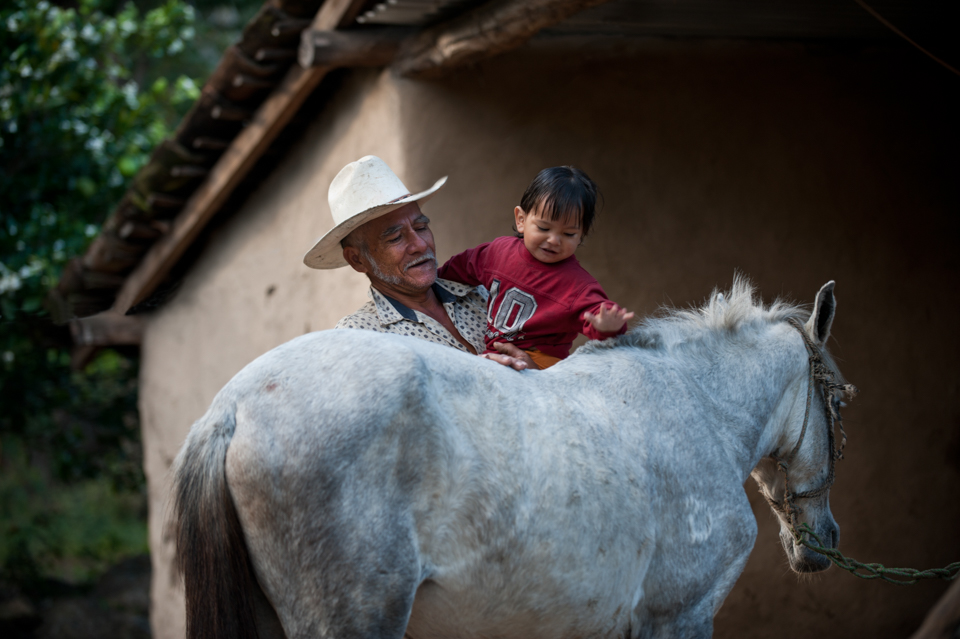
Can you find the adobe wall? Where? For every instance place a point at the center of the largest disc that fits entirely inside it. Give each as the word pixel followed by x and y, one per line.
pixel 793 165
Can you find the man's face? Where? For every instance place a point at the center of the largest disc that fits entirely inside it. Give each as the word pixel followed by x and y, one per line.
pixel 396 251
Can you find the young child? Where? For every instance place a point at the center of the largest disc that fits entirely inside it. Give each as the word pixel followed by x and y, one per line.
pixel 540 296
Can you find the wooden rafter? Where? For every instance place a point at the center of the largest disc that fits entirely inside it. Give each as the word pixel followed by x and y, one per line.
pixel 491 29
pixel 107 329
pixel 374 48
pixel 268 121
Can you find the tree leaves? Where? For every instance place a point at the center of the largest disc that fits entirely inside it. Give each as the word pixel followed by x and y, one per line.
pixel 82 105
pixel 76 122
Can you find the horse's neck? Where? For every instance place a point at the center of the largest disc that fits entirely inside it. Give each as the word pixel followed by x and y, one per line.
pixel 751 380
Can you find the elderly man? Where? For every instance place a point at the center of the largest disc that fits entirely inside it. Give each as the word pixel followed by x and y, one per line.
pixel 379 230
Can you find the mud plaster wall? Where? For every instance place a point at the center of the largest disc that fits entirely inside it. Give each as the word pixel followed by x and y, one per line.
pixel 794 165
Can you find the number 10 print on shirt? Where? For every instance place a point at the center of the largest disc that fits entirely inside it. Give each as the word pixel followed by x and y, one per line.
pixel 507 315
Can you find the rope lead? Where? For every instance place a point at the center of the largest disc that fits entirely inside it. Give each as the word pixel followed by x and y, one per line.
pixel 899 576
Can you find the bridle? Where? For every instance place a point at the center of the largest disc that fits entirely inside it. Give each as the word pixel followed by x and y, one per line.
pixel 825 379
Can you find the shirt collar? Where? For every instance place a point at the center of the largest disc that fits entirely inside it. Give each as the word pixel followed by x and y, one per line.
pixel 391 311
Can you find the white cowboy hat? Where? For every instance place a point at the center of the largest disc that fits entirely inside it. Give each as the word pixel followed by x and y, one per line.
pixel 363 190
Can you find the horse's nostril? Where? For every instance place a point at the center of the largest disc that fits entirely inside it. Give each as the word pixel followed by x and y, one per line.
pixel 834 537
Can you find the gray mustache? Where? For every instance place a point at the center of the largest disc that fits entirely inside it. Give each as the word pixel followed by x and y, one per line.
pixel 426 257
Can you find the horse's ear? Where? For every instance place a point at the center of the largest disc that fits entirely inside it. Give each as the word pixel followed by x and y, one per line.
pixel 818 326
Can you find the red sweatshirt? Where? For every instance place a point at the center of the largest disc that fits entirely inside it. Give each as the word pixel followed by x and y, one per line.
pixel 532 304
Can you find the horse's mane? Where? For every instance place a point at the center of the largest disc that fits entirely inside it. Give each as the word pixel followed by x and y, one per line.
pixel 722 313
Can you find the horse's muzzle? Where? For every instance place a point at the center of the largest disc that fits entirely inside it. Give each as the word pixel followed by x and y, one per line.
pixel 803 559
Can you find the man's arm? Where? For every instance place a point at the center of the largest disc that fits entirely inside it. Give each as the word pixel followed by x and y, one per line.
pixel 511 356
pixel 364 317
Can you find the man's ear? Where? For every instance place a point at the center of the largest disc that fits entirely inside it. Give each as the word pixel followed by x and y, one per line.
pixel 353 257
pixel 518 217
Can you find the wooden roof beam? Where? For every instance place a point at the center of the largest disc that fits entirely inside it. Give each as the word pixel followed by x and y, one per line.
pixel 107 329
pixel 236 161
pixel 369 48
pixel 487 31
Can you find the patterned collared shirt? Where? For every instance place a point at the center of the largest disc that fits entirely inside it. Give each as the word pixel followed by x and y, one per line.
pixel 466 307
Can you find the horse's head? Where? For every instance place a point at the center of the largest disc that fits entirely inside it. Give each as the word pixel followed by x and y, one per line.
pixel 796 477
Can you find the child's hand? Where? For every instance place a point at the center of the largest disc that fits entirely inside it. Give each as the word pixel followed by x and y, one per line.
pixel 609 319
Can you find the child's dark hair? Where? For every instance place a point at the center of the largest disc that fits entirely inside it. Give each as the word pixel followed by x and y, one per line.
pixel 562 191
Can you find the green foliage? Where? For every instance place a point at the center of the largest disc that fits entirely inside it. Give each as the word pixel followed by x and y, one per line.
pixel 87 89
pixel 81 108
pixel 84 98
pixel 68 532
pixel 78 424
pixel 78 116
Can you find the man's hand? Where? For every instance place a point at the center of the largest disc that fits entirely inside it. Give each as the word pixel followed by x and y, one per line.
pixel 511 356
pixel 609 319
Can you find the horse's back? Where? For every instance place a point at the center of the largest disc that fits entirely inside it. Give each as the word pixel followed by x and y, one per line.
pixel 369 470
pixel 364 465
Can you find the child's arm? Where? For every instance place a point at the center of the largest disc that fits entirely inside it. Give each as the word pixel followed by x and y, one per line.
pixel 600 317
pixel 609 319
pixel 466 267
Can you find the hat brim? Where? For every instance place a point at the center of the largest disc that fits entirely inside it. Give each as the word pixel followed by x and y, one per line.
pixel 327 252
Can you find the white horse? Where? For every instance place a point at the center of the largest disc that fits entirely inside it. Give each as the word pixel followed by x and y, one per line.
pixel 350 484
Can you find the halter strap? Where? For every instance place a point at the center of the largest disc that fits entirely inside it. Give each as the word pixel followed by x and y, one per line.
pixel 824 378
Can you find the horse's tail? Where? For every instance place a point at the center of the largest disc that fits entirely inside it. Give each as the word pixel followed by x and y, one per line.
pixel 211 553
